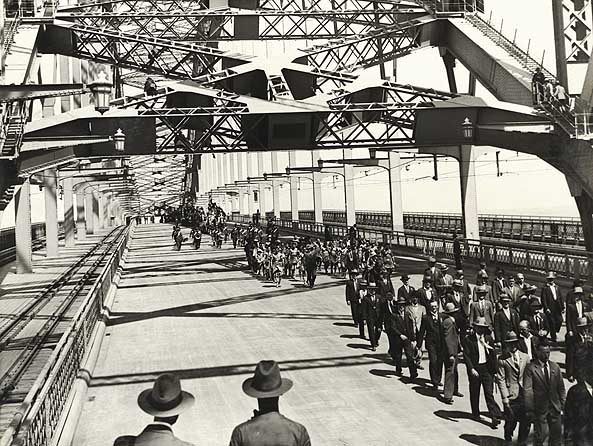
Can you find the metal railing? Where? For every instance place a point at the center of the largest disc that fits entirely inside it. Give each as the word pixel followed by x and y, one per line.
pixel 565 262
pixel 36 420
pixel 7 240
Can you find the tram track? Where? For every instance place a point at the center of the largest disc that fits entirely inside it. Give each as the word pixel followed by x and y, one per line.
pixel 30 336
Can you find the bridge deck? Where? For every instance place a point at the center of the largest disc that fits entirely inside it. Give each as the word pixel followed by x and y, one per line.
pixel 200 315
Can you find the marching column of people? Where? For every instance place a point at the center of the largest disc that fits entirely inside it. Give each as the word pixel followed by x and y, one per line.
pixel 501 329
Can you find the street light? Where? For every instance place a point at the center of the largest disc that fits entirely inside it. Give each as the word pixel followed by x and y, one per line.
pixel 101 91
pixel 468 129
pixel 119 140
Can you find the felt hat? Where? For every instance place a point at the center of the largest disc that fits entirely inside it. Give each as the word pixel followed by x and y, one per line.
pixel 578 290
pixel 536 302
pixel 530 288
pixel 511 337
pixel 481 290
pixel 450 308
pixel 583 322
pixel 266 381
pixel 480 322
pixel 432 259
pixel 165 398
pixel 457 282
pixel 551 275
pixel 401 300
pixel 505 297
pixel 372 286
pixel 404 277
pixel 443 267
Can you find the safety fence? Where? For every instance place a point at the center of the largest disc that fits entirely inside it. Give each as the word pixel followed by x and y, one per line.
pixel 39 415
pixel 565 262
pixel 554 230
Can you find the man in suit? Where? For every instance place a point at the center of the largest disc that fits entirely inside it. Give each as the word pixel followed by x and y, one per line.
pixel 527 342
pixel 512 290
pixel 480 361
pixel 553 304
pixel 371 313
pixel 482 307
pixel 445 281
pixel 427 293
pixel 466 287
pixel 499 285
pixel 544 396
pixel 385 285
pixel 268 426
pixel 581 342
pixel 523 307
pixel 450 348
pixel 462 301
pixel 433 270
pixel 576 283
pixel 457 251
pixel 506 319
pixel 165 402
pixel 353 290
pixel 482 283
pixel 430 334
pixel 482 272
pixel 509 377
pixel 406 290
pixel 578 410
pixel 415 312
pixel 401 334
pixel 538 321
pixel 574 311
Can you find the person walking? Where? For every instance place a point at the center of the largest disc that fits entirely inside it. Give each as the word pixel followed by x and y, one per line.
pixel 431 336
pixel 506 319
pixel 544 396
pixel 578 413
pixel 482 308
pixel 371 313
pixel 480 361
pixel 165 401
pixel 450 339
pixel 553 304
pixel 509 378
pixel 268 427
pixel 401 334
pixel 561 97
pixel 353 289
pixel 537 86
pixel 457 252
pixel 406 290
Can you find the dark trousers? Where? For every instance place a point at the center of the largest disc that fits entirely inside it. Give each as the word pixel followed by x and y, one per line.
pixel 311 275
pixel 518 417
pixel 458 264
pixel 485 380
pixel 451 378
pixel 396 347
pixel 547 426
pixel 374 332
pixel 435 363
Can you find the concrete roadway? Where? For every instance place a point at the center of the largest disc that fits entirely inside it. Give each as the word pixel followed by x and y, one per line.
pixel 201 315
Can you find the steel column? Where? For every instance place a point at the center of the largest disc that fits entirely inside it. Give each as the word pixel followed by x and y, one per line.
pixel 243 210
pixel 395 192
pixel 349 202
pixel 251 204
pixel 95 211
pixel 22 230
pixel 262 186
pixel 69 224
pixel 294 192
pixel 275 187
pixel 101 205
pixel 317 196
pixel 80 222
pixel 88 211
pixel 50 183
pixel 469 193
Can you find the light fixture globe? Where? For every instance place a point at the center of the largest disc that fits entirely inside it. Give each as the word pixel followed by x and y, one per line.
pixel 468 128
pixel 101 91
pixel 119 140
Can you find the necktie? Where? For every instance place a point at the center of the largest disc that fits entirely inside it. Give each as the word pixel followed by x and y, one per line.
pixel 547 374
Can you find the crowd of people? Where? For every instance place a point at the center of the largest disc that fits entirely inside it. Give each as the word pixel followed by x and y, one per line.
pixel 549 92
pixel 211 221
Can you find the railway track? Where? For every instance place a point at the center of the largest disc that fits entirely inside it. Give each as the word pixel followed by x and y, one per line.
pixel 30 336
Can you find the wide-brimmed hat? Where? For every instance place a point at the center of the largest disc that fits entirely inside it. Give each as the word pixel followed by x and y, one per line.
pixel 404 277
pixel 511 337
pixel 427 279
pixel 480 322
pixel 372 286
pixel 363 284
pixel 530 288
pixel 536 302
pixel 583 322
pixel 443 267
pixel 450 308
pixel 481 289
pixel 401 300
pixel 165 398
pixel 457 282
pixel 551 275
pixel 578 290
pixel 505 297
pixel 432 259
pixel 266 381
pixel 354 271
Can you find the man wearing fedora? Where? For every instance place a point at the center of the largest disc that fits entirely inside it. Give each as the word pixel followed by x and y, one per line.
pixel 451 347
pixel 506 319
pixel 427 293
pixel 431 335
pixel 482 308
pixel 353 289
pixel 400 332
pixel 480 361
pixel 538 320
pixel 509 377
pixel 578 410
pixel 581 342
pixel 406 290
pixel 165 401
pixel 499 285
pixel 553 304
pixel 268 427
pixel 371 313
pixel 433 271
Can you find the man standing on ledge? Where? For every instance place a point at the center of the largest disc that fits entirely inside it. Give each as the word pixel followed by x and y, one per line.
pixel 268 427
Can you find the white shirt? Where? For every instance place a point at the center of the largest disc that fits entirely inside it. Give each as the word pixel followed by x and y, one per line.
pixel 589 388
pixel 553 289
pixel 428 293
pixel 507 313
pixel 579 305
pixel 481 350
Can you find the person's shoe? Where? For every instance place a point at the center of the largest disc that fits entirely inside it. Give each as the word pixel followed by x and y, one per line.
pixel 374 349
pixel 449 401
pixel 570 379
pixel 477 417
pixel 495 423
pixel 458 394
pixel 414 377
pixel 398 372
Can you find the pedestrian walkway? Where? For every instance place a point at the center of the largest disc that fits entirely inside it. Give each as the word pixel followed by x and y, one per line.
pixel 201 315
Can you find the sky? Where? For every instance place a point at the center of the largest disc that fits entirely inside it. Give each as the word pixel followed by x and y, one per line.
pixel 527 185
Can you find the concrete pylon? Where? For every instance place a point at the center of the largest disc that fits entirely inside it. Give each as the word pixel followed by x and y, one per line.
pixel 317 197
pixel 294 188
pixel 395 185
pixel 69 221
pixel 349 202
pixel 469 193
pixel 50 187
pixel 88 211
pixel 101 210
pixel 251 203
pixel 80 221
pixel 275 186
pixel 22 230
pixel 263 203
pixel 95 211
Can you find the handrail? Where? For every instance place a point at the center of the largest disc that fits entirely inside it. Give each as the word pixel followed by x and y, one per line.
pixel 35 421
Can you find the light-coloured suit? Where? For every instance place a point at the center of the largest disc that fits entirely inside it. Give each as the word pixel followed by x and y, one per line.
pixel 158 434
pixel 509 376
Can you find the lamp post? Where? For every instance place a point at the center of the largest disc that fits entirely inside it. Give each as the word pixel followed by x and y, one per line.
pixel 101 91
pixel 119 140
